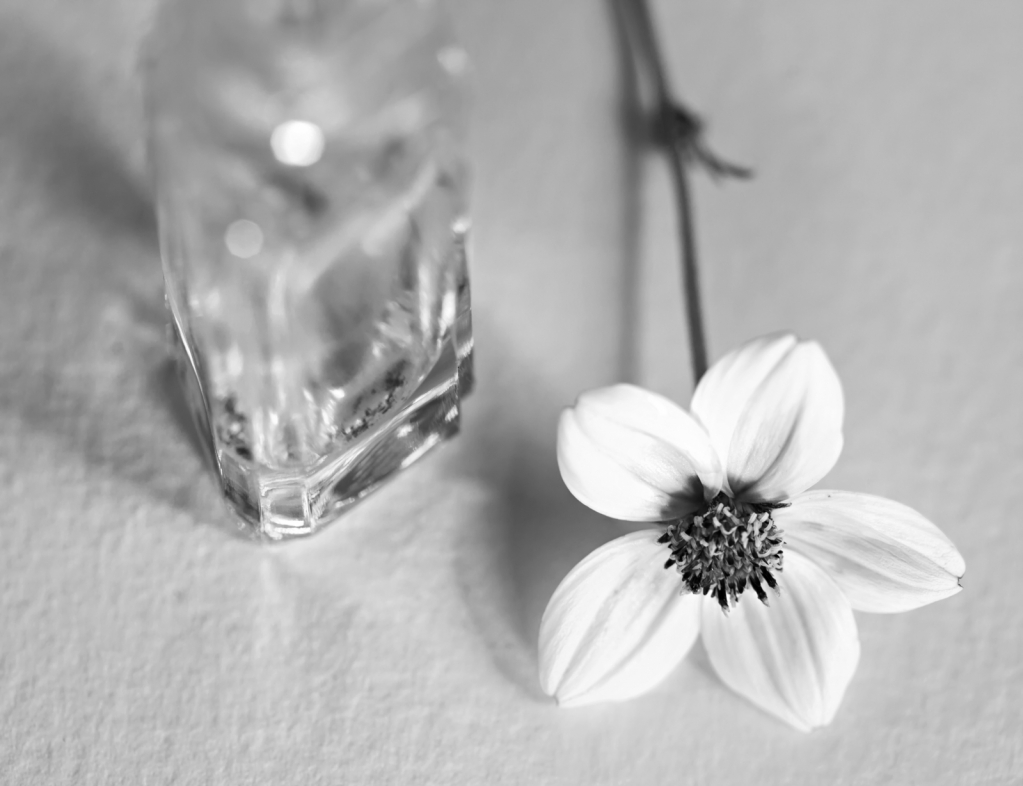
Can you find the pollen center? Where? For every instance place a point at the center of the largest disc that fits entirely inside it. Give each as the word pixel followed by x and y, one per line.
pixel 725 548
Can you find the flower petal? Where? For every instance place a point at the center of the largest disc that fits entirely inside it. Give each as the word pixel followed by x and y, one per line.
pixel 724 391
pixel 632 454
pixel 793 659
pixel 885 556
pixel 617 624
pixel 790 434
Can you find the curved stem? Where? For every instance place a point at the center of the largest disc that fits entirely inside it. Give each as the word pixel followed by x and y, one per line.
pixel 677 149
pixel 678 131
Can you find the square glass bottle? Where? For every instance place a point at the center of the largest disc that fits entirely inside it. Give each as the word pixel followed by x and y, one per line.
pixel 308 160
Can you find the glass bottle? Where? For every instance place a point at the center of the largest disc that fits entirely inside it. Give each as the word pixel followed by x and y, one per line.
pixel 308 160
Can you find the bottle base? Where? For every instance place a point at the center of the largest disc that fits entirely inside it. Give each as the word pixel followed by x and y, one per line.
pixel 276 505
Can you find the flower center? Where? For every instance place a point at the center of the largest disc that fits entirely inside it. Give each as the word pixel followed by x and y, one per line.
pixel 726 547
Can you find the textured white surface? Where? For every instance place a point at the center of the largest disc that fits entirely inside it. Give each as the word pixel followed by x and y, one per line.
pixel 141 644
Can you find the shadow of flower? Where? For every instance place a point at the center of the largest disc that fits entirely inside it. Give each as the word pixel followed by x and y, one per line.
pixel 509 564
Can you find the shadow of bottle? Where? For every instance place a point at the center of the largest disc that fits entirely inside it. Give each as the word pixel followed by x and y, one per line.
pixel 82 275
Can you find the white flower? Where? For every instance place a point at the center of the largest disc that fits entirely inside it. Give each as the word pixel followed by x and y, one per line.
pixel 728 487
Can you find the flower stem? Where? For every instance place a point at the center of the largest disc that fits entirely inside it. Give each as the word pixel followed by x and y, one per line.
pixel 678 131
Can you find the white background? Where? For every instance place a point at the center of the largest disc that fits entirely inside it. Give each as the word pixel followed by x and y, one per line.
pixel 141 643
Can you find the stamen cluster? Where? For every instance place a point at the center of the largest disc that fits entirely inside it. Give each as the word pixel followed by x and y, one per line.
pixel 724 548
